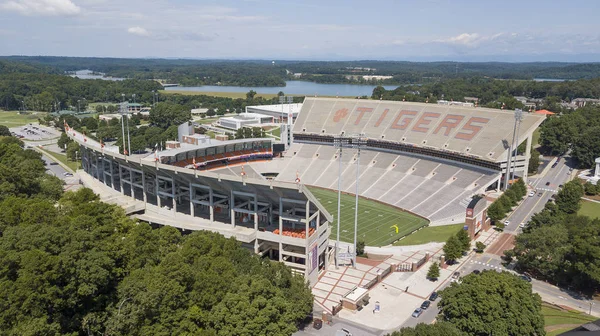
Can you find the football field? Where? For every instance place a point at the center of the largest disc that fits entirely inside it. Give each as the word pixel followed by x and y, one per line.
pixel 377 222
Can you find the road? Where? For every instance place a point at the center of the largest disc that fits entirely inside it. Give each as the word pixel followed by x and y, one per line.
pixel 531 205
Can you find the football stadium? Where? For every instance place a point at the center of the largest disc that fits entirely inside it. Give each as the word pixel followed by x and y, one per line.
pixel 416 164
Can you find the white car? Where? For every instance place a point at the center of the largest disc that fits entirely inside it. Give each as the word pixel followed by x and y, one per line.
pixel 506 223
pixel 532 193
pixel 522 225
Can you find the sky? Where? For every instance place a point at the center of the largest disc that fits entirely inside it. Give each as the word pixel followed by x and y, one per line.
pixel 419 30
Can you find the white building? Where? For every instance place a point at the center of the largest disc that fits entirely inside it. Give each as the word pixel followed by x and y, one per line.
pixel 280 112
pixel 245 120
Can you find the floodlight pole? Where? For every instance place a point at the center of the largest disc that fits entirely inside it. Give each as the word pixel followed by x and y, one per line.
pixel 123 121
pixel 518 119
pixel 509 157
pixel 339 142
pixel 358 142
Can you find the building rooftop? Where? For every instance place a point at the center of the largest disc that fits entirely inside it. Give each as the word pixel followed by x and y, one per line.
pixel 283 109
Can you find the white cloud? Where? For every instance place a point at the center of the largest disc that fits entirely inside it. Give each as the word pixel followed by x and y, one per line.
pixel 41 7
pixel 139 31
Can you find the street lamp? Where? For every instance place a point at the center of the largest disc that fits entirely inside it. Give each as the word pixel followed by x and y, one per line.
pixel 339 142
pixel 358 141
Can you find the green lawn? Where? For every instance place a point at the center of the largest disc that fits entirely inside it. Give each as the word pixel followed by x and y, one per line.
pixel 536 137
pixel 375 219
pixel 430 234
pixel 63 159
pixel 590 209
pixel 276 131
pixel 554 317
pixel 206 120
pixel 13 118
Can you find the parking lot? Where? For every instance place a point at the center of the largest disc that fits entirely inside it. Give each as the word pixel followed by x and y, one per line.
pixel 34 132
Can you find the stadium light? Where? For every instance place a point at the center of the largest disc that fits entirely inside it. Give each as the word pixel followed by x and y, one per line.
pixel 518 119
pixel 339 142
pixel 358 141
pixel 509 159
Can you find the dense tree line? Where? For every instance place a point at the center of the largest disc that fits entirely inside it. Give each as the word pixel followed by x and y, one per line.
pixel 504 204
pixel 494 93
pixel 456 245
pixel 48 92
pixel 578 131
pixel 560 246
pixel 489 303
pixel 72 265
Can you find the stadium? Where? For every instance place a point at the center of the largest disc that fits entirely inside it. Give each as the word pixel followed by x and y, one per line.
pixel 420 164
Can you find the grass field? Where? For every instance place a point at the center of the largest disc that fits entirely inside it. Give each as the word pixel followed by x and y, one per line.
pixel 557 321
pixel 590 209
pixel 232 95
pixel 276 131
pixel 14 119
pixel 430 234
pixel 63 159
pixel 536 137
pixel 375 219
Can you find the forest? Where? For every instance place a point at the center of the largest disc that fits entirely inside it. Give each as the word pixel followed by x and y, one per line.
pixel 197 72
pixel 72 265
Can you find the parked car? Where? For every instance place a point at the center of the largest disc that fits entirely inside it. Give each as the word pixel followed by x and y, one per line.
pixel 522 225
pixel 548 183
pixel 425 304
pixel 433 296
pixel 476 271
pixel 343 332
pixel 417 312
pixel 53 163
pixel 67 174
pixel 532 193
pixel 525 277
pixel 560 186
pixel 506 223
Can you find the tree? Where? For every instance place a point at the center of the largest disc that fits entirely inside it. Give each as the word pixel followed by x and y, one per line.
pixel 534 161
pixel 482 305
pixel 4 131
pixel 512 196
pixel 434 272
pixel 495 211
pixel 453 249
pixel 569 197
pixel 210 113
pixel 258 132
pixel 72 149
pixel 360 247
pixel 436 329
pixel 138 143
pixel 250 95
pixel 585 149
pixel 464 239
pixel 590 189
pixel 164 115
pixel 63 140
pixel 480 247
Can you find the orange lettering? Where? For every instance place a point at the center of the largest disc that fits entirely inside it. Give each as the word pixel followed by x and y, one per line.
pixel 362 111
pixel 469 127
pixel 385 112
pixel 405 122
pixel 451 121
pixel 424 122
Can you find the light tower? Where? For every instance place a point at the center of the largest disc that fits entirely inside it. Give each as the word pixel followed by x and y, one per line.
pixel 518 119
pixel 339 142
pixel 359 141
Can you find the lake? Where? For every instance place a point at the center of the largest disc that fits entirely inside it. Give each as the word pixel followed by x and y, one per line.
pixel 89 74
pixel 292 88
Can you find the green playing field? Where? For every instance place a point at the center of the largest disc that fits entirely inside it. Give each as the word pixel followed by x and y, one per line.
pixel 375 220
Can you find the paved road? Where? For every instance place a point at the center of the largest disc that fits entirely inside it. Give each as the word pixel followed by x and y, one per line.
pixel 531 205
pixel 54 169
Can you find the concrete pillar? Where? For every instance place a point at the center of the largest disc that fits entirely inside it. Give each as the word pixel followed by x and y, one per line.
pixel 157 188
pixel 121 181
pixel 174 195
pixel 280 229
pixel 191 198
pixel 498 183
pixel 255 213
pixel 143 184
pixel 231 211
pixel 212 205
pixel 527 157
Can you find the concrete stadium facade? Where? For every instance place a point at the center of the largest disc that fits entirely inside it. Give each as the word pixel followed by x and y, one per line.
pixel 281 221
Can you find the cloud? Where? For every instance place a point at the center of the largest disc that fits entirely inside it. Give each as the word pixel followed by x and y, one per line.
pixel 139 31
pixel 41 7
pixel 472 39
